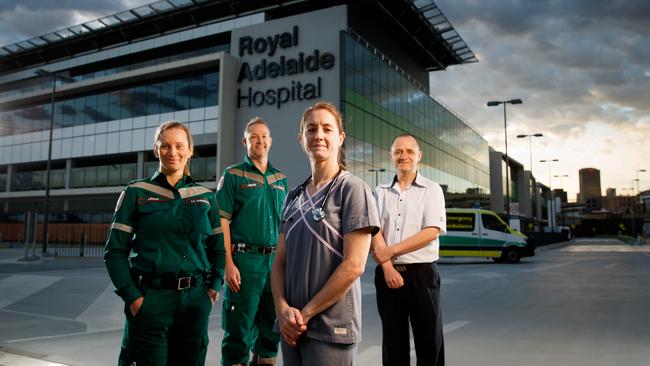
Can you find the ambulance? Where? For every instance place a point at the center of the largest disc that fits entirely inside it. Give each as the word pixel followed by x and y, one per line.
pixel 482 233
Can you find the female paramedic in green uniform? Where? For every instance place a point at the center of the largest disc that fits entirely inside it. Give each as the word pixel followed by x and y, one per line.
pixel 324 240
pixel 169 227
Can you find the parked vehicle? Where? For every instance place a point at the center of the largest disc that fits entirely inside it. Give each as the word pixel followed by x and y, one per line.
pixel 482 233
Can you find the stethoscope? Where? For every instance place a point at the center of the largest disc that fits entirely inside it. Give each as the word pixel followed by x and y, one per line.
pixel 317 213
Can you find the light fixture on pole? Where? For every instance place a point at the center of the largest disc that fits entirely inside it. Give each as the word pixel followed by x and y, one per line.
pixel 561 176
pixel 495 103
pixel 530 146
pixel 551 219
pixel 376 171
pixel 48 169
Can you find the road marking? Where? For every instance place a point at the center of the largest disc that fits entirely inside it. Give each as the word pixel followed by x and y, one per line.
pixel 58 336
pixel 450 327
pixel 608 248
pixel 543 268
pixel 17 287
pixel 105 313
pixel 610 265
pixel 20 360
pixel 37 315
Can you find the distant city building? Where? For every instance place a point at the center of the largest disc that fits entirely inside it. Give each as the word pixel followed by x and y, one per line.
pixel 560 193
pixel 617 204
pixel 590 190
pixel 610 192
pixel 644 197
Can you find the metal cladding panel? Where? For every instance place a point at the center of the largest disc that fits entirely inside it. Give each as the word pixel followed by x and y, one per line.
pixel 285 66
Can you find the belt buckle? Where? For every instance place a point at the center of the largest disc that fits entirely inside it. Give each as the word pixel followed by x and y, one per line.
pixel 400 267
pixel 183 283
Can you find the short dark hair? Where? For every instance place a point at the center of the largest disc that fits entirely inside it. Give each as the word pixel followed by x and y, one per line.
pixel 255 121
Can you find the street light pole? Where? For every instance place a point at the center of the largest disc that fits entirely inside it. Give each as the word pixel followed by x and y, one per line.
pixel 48 169
pixel 530 146
pixel 376 171
pixel 494 103
pixel 551 219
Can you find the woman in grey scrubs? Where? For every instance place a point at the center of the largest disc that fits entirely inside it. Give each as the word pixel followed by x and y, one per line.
pixel 324 240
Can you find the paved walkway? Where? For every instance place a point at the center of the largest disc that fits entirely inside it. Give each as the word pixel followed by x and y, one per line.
pixel 63 306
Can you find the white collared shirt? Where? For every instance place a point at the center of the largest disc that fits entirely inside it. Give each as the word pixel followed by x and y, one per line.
pixel 405 213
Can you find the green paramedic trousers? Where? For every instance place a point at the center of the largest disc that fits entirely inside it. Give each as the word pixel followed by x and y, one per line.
pixel 171 328
pixel 248 315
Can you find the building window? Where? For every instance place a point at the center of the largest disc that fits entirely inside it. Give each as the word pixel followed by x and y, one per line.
pixel 196 91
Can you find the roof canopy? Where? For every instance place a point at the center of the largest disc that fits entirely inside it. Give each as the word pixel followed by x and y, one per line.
pixel 418 25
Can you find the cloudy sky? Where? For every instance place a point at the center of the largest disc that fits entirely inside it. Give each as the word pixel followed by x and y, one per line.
pixel 582 68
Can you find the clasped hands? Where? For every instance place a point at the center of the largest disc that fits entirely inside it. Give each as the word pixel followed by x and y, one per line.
pixel 292 325
pixel 383 255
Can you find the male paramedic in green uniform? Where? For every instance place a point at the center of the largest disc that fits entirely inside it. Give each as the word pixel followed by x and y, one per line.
pixel 250 196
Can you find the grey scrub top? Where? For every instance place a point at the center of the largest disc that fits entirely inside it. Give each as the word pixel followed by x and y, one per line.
pixel 315 249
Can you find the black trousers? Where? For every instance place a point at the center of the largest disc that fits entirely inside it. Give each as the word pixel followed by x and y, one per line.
pixel 417 302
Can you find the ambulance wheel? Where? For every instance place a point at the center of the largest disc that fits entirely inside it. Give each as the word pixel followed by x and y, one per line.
pixel 511 255
pixel 497 259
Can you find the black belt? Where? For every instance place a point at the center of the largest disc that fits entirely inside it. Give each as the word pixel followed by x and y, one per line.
pixel 243 247
pixel 410 266
pixel 168 283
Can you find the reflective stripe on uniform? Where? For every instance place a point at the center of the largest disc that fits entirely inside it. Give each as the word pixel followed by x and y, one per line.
pixel 217 230
pixel 122 227
pixel 192 191
pixel 275 177
pixel 224 214
pixel 252 176
pixel 153 188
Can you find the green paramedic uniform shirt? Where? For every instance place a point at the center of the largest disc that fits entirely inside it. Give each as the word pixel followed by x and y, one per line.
pixel 172 231
pixel 252 201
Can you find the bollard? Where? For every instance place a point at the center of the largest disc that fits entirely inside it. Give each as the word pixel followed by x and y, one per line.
pixel 83 245
pixel 30 235
pixel 34 256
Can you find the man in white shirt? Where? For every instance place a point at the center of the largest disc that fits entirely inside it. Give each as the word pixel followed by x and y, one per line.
pixel 412 216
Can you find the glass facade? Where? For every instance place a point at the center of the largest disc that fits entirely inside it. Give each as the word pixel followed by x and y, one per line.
pixel 32 85
pixel 379 103
pixel 36 180
pixel 201 168
pixel 196 91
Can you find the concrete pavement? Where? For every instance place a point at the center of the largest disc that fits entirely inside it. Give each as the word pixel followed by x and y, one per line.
pixel 64 311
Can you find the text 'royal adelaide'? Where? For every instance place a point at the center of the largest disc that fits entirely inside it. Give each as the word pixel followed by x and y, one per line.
pixel 281 67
